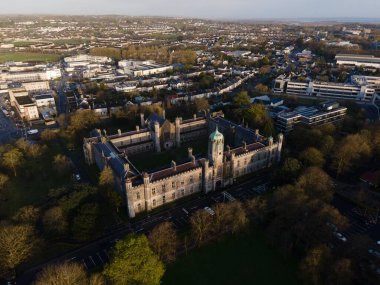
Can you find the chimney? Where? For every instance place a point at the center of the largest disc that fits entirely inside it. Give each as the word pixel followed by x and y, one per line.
pixel 245 145
pixel 164 114
pixel 257 132
pixel 190 152
pixel 195 116
pixel 119 132
pixel 142 120
pixel 228 149
pixel 126 167
pixel 105 133
pixel 137 128
pixel 193 159
pixel 174 165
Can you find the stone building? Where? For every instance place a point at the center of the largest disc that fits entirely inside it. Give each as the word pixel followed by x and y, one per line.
pixel 233 151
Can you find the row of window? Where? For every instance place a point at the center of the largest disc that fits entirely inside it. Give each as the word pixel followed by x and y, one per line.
pixel 164 199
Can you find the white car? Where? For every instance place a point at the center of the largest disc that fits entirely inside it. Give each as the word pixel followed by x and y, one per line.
pixel 374 253
pixel 209 210
pixel 340 237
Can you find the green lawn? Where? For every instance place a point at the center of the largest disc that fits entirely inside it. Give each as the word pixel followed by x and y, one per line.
pixel 151 161
pixel 234 261
pixel 32 189
pixel 28 56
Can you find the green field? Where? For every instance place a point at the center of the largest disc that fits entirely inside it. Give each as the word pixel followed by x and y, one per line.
pixel 234 261
pixel 28 56
pixel 32 184
pixel 149 161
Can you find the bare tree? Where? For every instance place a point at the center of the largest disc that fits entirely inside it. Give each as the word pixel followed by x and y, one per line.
pixel 201 226
pixel 61 163
pixel 17 243
pixel 63 274
pixel 163 240
pixel 13 159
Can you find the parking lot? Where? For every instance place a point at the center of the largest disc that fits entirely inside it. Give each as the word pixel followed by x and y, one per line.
pixel 8 129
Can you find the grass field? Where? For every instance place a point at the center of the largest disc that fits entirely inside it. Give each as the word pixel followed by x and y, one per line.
pixel 236 260
pixel 28 56
pixel 149 161
pixel 33 188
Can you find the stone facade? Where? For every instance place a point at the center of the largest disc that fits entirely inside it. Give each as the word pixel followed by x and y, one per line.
pixel 220 168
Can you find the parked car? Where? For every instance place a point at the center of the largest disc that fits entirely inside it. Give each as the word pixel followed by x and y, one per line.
pixel 209 210
pixel 340 237
pixel 375 253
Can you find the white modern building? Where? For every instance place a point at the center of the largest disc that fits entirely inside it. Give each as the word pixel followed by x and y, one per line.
pixel 142 68
pixel 358 60
pixel 346 91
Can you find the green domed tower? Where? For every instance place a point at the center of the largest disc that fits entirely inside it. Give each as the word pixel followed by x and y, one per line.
pixel 216 147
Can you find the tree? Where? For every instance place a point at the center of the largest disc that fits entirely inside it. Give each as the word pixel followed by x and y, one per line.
pixel 316 183
pixel 342 272
pixel 163 240
pixel 35 150
pixel 312 157
pixel 242 99
pixel 27 215
pixel 261 88
pixel 201 104
pixel 13 159
pixel 83 120
pixel 85 222
pixel 4 179
pixel 48 135
pixel 63 274
pixel 257 208
pixel 350 150
pixel 106 178
pixel 54 220
pixel 61 164
pixel 134 262
pixel 201 226
pixel 290 169
pixel 315 265
pixel 17 243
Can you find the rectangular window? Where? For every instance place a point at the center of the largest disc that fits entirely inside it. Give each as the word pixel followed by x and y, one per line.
pixel 173 196
pixel 173 184
pixel 182 183
pixel 163 188
pixel 183 192
pixel 153 191
pixel 154 202
pixel 191 179
pixel 163 199
pixel 138 195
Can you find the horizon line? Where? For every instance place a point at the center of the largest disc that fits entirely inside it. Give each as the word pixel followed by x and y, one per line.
pixel 348 19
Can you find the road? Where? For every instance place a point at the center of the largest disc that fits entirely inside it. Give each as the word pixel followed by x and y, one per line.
pixel 360 223
pixel 8 129
pixel 96 254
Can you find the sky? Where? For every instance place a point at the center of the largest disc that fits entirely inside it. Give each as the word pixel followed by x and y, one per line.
pixel 210 9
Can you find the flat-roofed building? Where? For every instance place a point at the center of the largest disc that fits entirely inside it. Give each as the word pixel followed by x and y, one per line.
pixel 24 105
pixel 328 112
pixel 358 60
pixel 344 91
pixel 143 68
